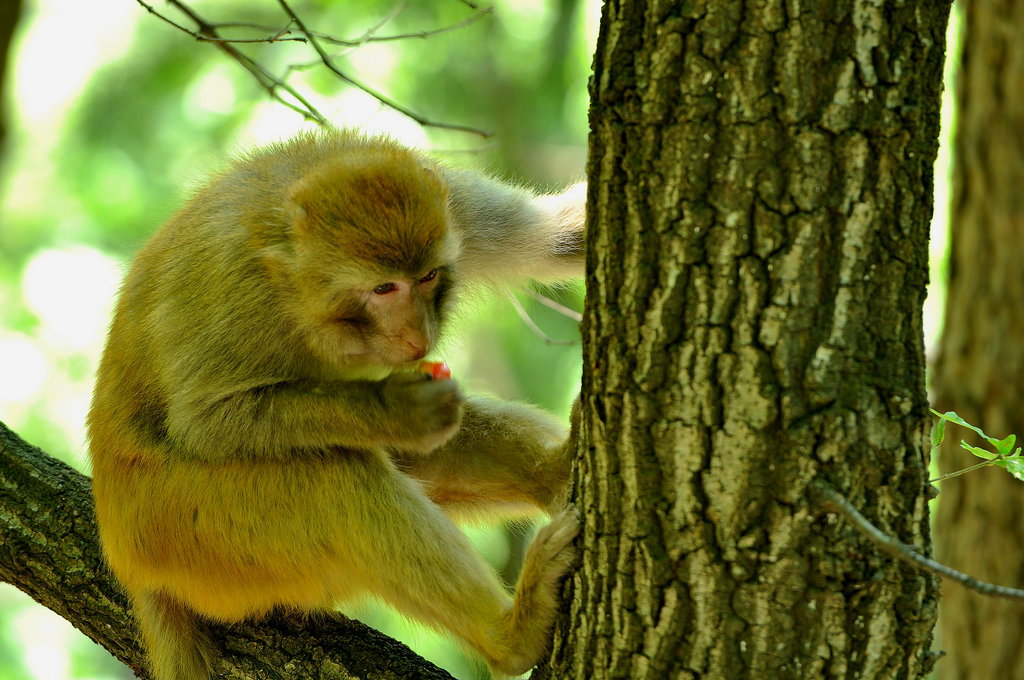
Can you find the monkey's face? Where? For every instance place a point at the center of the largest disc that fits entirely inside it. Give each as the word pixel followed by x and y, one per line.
pixel 361 316
pixel 374 258
pixel 392 319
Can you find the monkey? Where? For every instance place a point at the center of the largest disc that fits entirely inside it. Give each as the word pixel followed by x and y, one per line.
pixel 260 437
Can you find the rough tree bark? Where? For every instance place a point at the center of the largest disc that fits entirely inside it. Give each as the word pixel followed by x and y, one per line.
pixel 761 190
pixel 979 373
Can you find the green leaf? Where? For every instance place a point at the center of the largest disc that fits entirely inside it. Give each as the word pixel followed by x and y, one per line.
pixel 952 417
pixel 1014 466
pixel 938 432
pixel 977 451
pixel 1005 446
pixel 1011 462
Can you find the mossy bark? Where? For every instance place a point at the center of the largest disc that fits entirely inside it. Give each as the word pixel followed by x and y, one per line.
pixel 761 191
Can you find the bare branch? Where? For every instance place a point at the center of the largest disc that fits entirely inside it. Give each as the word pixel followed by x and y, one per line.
pixel 551 304
pixel 905 552
pixel 278 88
pixel 328 62
pixel 271 84
pixel 533 325
pixel 372 30
pixel 278 33
pixel 369 36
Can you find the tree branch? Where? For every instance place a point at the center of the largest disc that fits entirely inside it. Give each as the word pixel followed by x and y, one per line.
pixel 208 31
pixel 267 80
pixel 328 63
pixel 905 552
pixel 532 325
pixel 49 548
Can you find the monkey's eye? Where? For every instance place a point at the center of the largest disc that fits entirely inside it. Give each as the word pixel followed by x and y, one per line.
pixel 385 288
pixel 430 276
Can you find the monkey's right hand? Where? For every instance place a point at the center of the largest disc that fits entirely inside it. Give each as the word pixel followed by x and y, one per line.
pixel 419 412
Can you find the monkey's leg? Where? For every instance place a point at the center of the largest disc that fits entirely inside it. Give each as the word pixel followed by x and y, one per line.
pixel 177 644
pixel 421 564
pixel 549 557
pixel 327 527
pixel 506 458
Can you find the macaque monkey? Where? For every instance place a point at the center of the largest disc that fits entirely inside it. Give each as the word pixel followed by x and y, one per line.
pixel 260 436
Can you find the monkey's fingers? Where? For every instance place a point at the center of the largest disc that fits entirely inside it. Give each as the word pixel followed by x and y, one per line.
pixel 553 543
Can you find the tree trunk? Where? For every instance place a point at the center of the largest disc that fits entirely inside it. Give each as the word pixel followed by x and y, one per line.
pixel 761 190
pixel 980 369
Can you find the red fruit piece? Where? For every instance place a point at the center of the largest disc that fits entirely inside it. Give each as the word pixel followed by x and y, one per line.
pixel 438 370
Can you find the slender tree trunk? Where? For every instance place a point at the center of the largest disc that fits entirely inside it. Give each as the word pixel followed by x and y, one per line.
pixel 10 15
pixel 980 370
pixel 761 182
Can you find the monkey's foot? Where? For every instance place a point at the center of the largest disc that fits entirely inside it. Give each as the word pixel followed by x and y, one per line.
pixel 550 556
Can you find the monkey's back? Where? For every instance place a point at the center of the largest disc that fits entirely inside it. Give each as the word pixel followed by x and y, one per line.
pixel 200 315
pixel 199 304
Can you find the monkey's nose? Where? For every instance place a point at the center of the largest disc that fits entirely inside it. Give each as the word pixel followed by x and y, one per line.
pixel 418 351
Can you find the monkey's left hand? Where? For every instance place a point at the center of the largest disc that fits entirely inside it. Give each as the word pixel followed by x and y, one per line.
pixel 423 413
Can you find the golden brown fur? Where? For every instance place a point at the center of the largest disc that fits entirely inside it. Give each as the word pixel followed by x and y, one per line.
pixel 257 436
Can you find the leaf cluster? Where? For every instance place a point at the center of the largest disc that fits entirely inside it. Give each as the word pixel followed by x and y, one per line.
pixel 1002 454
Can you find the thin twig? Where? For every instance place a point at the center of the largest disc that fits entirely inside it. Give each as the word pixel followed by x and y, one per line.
pixel 551 304
pixel 532 325
pixel 278 34
pixel 480 14
pixel 328 62
pixel 277 88
pixel 976 466
pixel 905 552
pixel 369 36
pixel 372 30
pixel 272 85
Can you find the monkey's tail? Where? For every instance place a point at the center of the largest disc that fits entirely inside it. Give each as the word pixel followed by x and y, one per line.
pixel 179 647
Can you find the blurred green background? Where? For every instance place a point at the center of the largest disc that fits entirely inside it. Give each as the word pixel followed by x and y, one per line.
pixel 114 117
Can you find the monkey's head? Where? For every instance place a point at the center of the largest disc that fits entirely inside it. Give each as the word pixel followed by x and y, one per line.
pixel 374 257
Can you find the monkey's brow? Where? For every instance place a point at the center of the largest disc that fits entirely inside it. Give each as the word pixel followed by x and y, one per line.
pixel 394 249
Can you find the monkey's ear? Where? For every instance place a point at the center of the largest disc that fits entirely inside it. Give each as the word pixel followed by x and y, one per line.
pixel 301 210
pixel 278 258
pixel 301 222
pixel 300 215
pixel 433 175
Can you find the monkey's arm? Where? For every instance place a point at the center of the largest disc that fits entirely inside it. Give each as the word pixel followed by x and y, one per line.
pixel 510 233
pixel 274 420
pixel 506 455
